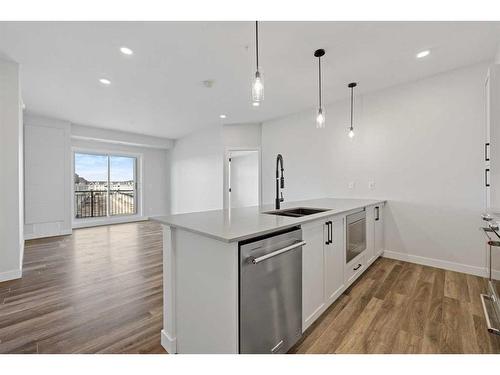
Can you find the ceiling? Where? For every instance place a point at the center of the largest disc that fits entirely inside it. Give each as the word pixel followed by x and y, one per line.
pixel 159 91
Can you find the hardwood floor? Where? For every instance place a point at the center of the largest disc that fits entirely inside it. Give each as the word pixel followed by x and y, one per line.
pixel 399 307
pixel 96 291
pixel 100 291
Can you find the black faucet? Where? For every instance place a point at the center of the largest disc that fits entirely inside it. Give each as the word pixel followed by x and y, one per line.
pixel 280 182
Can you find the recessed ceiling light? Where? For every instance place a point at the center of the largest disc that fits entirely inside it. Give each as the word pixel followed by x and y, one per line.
pixel 423 54
pixel 126 51
pixel 222 116
pixel 105 81
pixel 255 104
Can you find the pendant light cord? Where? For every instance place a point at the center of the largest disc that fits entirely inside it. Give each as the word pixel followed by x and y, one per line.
pixel 257 43
pixel 319 79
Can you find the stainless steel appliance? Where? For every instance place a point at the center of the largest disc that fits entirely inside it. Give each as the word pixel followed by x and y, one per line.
pixel 271 292
pixel 356 235
pixel 491 300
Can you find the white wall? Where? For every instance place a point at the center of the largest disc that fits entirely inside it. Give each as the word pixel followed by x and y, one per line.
pixel 153 183
pixel 197 165
pixel 420 143
pixel 47 153
pixel 11 173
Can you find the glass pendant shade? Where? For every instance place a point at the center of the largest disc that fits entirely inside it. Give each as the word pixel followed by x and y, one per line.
pixel 257 88
pixel 320 119
pixel 351 133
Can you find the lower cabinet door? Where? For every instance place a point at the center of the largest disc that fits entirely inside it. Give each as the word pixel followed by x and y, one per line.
pixel 334 261
pixel 379 231
pixel 370 234
pixel 312 271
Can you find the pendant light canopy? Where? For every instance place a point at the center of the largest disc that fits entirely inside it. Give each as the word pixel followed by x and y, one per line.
pixel 352 85
pixel 320 117
pixel 258 79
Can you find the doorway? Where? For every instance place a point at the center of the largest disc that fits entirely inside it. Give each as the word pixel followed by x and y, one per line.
pixel 243 178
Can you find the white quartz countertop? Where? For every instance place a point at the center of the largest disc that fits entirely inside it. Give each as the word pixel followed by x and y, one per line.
pixel 239 224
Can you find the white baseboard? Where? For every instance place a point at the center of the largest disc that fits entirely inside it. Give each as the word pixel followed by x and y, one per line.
pixel 168 343
pixel 34 236
pixel 11 275
pixel 438 263
pixel 87 223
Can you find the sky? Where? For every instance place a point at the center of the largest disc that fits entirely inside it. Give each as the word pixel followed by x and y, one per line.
pixel 95 167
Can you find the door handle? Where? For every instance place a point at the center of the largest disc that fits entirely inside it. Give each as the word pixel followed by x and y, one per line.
pixel 486 173
pixel 357 267
pixel 378 213
pixel 277 252
pixel 486 158
pixel 327 242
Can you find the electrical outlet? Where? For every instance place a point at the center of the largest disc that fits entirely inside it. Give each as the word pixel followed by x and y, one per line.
pixel 351 185
pixel 371 185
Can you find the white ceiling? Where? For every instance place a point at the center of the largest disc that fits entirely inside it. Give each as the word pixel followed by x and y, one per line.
pixel 159 92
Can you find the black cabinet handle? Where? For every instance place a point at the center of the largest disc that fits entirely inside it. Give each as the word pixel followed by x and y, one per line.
pixel 486 172
pixel 357 267
pixel 331 232
pixel 486 158
pixel 378 213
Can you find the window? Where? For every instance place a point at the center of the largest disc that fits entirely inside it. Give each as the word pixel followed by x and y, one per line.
pixel 105 185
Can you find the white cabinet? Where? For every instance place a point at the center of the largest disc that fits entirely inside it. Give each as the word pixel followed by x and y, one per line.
pixel 492 139
pixel 334 260
pixel 374 232
pixel 370 234
pixel 322 266
pixel 379 230
pixel 313 292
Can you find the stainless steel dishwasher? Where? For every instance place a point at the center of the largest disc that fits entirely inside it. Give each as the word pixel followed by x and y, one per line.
pixel 271 292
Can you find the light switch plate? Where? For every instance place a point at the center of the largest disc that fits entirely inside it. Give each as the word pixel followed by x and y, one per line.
pixel 351 185
pixel 371 185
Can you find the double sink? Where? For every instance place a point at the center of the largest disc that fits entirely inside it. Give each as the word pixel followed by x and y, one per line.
pixel 296 211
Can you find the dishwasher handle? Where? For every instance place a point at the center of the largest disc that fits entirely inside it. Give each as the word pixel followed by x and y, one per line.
pixel 277 252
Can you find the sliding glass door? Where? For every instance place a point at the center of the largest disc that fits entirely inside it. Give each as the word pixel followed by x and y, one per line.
pixel 105 185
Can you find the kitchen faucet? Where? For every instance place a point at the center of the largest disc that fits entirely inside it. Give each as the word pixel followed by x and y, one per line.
pixel 280 182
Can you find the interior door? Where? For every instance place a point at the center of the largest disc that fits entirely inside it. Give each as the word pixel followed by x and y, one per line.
pixel 243 172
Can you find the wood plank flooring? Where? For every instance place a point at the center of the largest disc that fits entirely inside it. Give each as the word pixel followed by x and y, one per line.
pixel 100 291
pixel 399 307
pixel 96 291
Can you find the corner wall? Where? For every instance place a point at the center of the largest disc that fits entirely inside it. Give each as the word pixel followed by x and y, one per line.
pixel 11 173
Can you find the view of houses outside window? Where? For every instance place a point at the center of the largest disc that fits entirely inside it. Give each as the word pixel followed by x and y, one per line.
pixel 105 185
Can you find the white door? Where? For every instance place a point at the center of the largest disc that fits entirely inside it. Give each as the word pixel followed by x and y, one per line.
pixel 379 230
pixel 243 178
pixel 334 260
pixel 313 284
pixel 370 234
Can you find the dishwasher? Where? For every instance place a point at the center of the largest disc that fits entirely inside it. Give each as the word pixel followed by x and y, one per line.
pixel 270 292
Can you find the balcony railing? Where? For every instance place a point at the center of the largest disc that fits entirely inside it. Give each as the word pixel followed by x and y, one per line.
pixel 94 203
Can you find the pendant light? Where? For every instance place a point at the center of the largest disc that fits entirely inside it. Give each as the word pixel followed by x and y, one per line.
pixel 320 118
pixel 258 80
pixel 352 85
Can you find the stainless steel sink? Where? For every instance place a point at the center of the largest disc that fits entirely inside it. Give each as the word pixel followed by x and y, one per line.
pixel 296 211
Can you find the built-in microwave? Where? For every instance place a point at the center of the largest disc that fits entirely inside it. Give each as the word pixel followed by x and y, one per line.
pixel 356 235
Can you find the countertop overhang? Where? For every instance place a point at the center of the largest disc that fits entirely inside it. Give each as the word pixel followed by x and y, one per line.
pixel 238 224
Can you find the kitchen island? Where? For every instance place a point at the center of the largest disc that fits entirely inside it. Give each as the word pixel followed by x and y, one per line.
pixel 201 266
